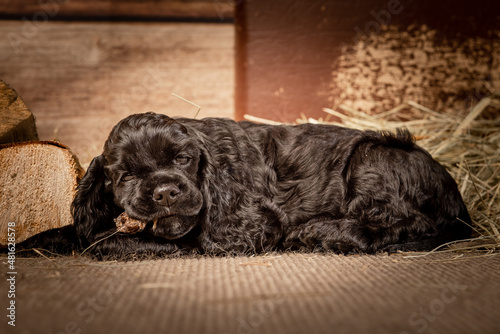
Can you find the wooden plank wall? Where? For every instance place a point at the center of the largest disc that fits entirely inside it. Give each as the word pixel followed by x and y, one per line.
pixel 80 77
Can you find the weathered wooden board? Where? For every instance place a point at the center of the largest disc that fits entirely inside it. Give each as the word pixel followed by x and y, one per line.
pixel 79 79
pixel 217 10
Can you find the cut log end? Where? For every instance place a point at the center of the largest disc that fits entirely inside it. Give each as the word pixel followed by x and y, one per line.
pixel 37 185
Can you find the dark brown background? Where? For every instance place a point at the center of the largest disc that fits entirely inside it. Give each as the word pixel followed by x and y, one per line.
pixel 287 51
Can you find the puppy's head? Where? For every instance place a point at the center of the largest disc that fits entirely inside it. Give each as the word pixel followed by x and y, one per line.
pixel 152 166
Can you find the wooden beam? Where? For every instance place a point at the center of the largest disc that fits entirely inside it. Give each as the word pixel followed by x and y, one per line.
pixel 216 10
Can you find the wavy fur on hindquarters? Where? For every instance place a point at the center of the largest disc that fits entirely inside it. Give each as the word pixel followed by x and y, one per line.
pixel 350 190
pixel 265 188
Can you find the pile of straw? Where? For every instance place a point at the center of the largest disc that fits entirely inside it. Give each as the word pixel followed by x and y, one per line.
pixel 467 143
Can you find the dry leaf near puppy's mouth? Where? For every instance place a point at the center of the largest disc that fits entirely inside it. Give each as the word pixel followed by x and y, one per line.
pixel 129 225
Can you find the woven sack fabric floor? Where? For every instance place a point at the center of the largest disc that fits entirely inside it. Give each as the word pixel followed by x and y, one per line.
pixel 277 293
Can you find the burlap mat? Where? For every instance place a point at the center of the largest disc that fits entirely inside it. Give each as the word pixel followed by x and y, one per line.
pixel 279 293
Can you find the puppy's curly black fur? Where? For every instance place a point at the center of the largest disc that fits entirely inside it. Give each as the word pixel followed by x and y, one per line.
pixel 217 186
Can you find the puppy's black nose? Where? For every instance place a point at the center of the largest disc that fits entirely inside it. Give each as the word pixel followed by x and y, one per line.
pixel 166 194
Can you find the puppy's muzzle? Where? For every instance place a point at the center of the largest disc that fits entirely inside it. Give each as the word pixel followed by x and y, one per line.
pixel 166 194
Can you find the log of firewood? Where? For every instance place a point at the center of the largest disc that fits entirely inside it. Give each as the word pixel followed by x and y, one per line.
pixel 37 185
pixel 17 123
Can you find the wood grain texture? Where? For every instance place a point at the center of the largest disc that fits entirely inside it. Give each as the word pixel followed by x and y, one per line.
pixel 216 10
pixel 79 79
pixel 17 123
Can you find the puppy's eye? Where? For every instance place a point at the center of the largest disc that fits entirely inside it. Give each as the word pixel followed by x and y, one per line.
pixel 127 177
pixel 182 160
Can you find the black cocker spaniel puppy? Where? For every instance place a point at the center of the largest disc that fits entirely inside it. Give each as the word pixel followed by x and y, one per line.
pixel 216 186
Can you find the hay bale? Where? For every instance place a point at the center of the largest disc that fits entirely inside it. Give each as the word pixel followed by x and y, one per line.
pixel 37 185
pixel 17 122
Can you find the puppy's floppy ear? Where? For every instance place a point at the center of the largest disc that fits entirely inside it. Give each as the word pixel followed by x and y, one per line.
pixel 209 173
pixel 239 213
pixel 93 208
